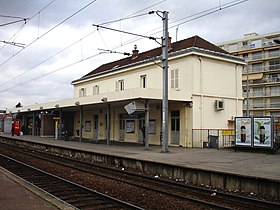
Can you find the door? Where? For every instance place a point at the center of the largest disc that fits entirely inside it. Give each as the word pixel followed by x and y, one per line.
pixel 95 127
pixel 175 127
pixel 122 127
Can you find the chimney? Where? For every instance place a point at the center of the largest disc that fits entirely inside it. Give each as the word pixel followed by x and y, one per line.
pixel 135 52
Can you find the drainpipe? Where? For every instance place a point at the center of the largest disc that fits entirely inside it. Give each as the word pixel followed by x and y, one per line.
pixel 247 91
pixel 201 93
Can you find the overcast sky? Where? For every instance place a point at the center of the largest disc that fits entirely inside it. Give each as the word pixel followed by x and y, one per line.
pixel 59 48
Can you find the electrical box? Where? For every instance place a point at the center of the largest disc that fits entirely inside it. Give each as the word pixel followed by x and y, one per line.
pixel 135 106
pixel 219 105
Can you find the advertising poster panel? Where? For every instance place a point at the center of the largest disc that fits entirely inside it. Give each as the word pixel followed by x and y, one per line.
pixel 243 131
pixel 262 132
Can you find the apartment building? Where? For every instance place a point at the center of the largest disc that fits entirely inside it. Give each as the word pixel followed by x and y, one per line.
pixel 262 54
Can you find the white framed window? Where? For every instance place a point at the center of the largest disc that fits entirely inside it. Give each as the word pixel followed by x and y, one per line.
pixel 257 67
pixel 257 91
pixel 82 92
pixel 95 90
pixel 143 81
pixel 120 85
pixel 275 91
pixel 257 55
pixel 274 53
pixel 174 79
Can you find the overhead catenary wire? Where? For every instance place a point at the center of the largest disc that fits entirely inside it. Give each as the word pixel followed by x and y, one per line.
pixel 228 5
pixel 42 62
pixel 49 73
pixel 21 27
pixel 49 58
pixel 12 22
pixel 126 32
pixel 177 23
pixel 48 32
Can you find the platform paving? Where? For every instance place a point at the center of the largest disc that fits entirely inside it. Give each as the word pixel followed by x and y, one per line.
pixel 245 163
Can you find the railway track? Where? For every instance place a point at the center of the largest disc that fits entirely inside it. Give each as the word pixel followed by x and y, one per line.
pixel 76 195
pixel 200 196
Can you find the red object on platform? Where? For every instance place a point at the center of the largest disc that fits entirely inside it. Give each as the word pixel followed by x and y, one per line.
pixel 17 127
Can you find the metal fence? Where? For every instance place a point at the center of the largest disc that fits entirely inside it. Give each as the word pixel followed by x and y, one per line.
pixel 212 138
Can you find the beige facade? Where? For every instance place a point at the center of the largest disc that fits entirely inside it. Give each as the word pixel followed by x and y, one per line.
pixel 262 54
pixel 201 80
pixel 205 91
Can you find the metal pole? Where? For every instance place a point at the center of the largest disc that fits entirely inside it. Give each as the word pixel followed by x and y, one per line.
pixel 147 120
pixel 165 83
pixel 247 91
pixel 108 124
pixel 81 123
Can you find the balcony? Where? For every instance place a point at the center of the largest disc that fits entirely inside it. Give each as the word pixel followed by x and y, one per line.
pixel 262 106
pixel 257 69
pixel 262 94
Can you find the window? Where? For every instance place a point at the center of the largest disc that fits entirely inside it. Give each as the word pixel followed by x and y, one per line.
pixel 130 126
pixel 274 65
pixel 88 126
pixel 175 79
pixel 244 43
pixel 258 113
pixel 274 53
pixel 120 85
pixel 258 103
pixel 143 81
pixel 257 67
pixel 95 90
pixel 257 55
pixel 274 78
pixel 82 92
pixel 245 56
pixel 232 48
pixel 257 91
pixel 274 91
pixel 274 102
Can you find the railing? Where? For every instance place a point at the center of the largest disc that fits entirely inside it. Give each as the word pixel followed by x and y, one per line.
pixel 212 138
pixel 261 94
pixel 262 69
pixel 253 106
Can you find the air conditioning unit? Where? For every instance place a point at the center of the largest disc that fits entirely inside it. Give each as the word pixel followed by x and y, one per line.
pixel 219 105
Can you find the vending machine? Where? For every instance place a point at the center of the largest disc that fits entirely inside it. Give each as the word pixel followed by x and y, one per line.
pixel 16 125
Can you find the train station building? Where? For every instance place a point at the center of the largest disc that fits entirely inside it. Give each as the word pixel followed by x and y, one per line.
pixel 204 91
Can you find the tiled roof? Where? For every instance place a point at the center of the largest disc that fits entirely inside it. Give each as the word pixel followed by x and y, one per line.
pixel 194 41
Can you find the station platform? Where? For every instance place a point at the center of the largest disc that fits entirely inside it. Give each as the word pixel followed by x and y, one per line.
pixel 16 194
pixel 245 163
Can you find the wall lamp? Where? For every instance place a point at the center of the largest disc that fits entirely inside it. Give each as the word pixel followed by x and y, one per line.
pixel 104 99
pixel 41 107
pixel 57 106
pixel 77 103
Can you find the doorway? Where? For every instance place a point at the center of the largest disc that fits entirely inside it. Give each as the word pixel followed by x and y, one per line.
pixel 175 127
